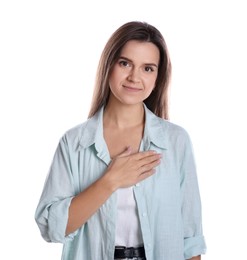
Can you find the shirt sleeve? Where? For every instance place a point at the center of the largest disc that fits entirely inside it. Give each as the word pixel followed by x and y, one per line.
pixel 194 243
pixel 52 211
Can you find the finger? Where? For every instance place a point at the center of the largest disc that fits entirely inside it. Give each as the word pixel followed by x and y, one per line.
pixel 144 158
pixel 149 167
pixel 150 158
pixel 142 155
pixel 126 152
pixel 146 174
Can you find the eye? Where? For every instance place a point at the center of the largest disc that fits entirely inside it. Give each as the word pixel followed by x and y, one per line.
pixel 124 63
pixel 149 69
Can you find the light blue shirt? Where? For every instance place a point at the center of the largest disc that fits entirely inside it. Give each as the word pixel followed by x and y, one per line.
pixel 168 202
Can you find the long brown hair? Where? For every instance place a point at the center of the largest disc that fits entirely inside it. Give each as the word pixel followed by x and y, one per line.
pixel 157 102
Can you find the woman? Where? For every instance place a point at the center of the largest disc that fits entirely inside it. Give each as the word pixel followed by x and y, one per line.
pixel 123 184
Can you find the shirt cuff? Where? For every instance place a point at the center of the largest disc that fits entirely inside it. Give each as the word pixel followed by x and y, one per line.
pixel 58 219
pixel 194 246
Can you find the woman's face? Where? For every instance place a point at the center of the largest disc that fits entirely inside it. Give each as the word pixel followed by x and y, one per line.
pixel 134 74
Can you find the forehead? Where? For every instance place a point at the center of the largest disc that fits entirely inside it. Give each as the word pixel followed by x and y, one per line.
pixel 137 50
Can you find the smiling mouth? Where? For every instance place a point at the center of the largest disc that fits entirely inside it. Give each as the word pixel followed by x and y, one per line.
pixel 132 88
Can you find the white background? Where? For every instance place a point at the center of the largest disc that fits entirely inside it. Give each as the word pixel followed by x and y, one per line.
pixel 49 52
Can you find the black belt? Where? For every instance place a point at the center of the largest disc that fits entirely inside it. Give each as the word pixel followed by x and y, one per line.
pixel 122 252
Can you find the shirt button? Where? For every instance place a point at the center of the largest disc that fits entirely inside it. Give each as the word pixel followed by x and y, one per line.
pixel 137 184
pixel 144 214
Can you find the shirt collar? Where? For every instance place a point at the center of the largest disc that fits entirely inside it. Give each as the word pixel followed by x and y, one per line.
pixel 154 131
pixel 92 130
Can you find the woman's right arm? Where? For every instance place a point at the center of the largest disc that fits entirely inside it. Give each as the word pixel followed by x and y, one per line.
pixel 124 171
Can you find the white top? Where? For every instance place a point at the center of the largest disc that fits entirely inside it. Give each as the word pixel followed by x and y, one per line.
pixel 128 230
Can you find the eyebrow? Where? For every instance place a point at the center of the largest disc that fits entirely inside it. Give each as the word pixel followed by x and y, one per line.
pixel 147 64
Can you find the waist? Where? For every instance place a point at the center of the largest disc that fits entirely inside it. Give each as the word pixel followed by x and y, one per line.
pixel 122 252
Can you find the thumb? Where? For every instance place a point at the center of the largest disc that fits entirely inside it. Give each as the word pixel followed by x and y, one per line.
pixel 126 152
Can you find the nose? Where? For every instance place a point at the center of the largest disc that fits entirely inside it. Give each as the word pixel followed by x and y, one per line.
pixel 134 75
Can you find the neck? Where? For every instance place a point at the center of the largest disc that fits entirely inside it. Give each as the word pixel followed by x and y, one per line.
pixel 124 116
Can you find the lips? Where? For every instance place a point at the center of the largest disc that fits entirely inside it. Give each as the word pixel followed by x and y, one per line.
pixel 130 88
